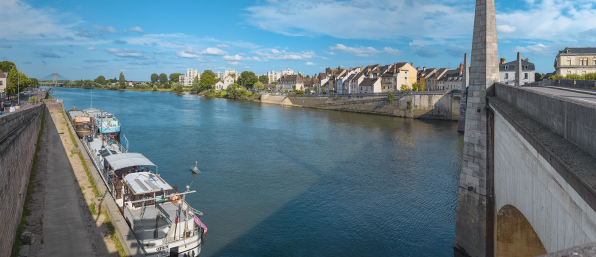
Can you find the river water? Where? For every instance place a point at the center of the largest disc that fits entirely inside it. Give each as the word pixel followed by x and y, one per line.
pixel 287 181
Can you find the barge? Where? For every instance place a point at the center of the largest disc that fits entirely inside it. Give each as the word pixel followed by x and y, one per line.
pixel 158 214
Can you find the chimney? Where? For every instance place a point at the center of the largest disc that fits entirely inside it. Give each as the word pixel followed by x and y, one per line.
pixel 424 68
pixel 412 64
pixel 503 61
pixel 527 60
pixel 461 67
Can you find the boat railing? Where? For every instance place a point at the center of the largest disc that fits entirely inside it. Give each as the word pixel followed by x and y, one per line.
pixel 193 210
pixel 99 165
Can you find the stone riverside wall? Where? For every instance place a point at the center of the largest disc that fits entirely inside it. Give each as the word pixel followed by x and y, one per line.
pixel 419 105
pixel 18 138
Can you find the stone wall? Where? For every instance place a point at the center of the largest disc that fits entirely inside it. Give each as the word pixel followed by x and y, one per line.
pixel 19 132
pixel 418 105
pixel 585 84
pixel 515 235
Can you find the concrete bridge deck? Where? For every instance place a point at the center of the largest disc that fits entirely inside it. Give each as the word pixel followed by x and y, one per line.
pixel 586 95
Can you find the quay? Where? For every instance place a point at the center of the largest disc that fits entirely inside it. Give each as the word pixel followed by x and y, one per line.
pixel 56 190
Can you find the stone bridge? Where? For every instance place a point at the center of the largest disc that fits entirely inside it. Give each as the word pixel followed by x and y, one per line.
pixel 528 178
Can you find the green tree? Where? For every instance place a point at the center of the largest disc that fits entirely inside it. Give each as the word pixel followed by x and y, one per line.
pixel 421 85
pixel 259 86
pixel 101 80
pixel 154 78
pixel 88 84
pixel 294 87
pixel 538 76
pixel 247 79
pixel 415 87
pixel 6 66
pixel 555 77
pixel 573 76
pixel 33 82
pixel 207 80
pixel 163 78
pixel 175 77
pixel 307 76
pixel 122 81
pixel 155 88
pixel 390 97
pixel 177 88
pixel 232 91
pixel 264 79
pixel 32 99
pixel 14 83
pixel 196 85
pixel 404 87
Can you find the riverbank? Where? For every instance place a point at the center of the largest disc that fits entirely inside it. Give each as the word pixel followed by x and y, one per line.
pixel 64 216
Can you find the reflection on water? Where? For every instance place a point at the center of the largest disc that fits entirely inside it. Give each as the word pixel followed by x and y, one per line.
pixel 280 181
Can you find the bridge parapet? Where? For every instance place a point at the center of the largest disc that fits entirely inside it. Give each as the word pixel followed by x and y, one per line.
pixel 571 118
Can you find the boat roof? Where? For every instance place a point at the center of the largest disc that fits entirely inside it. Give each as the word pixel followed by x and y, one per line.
pixel 74 114
pixel 124 160
pixel 145 182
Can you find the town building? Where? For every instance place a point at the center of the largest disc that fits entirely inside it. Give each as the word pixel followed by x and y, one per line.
pixel 424 74
pixel 370 85
pixel 287 71
pixel 190 77
pixel 288 82
pixel 2 82
pixel 228 80
pixel 507 72
pixel 451 80
pixel 580 61
pixel 232 73
pixel 182 79
pixel 432 81
pixel 220 86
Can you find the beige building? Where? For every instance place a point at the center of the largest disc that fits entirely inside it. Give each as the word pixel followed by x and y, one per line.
pixel 2 82
pixel 576 61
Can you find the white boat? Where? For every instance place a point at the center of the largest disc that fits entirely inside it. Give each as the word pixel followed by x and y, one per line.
pixel 162 221
pixel 195 169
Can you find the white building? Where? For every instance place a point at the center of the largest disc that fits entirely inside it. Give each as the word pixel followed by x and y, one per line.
pixel 273 76
pixel 220 86
pixel 190 77
pixel 228 80
pixel 3 77
pixel 287 71
pixel 507 72
pixel 182 79
pixel 229 72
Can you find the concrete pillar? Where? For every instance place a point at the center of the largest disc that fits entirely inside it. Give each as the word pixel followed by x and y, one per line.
pixel 518 71
pixel 461 124
pixel 474 236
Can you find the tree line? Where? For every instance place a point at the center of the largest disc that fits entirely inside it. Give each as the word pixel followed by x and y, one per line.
pixel 16 81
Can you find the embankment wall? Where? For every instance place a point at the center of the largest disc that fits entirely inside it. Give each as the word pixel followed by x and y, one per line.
pixel 584 84
pixel 418 105
pixel 18 139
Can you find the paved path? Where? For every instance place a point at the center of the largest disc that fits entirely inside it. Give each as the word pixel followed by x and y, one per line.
pixel 64 229
pixel 586 95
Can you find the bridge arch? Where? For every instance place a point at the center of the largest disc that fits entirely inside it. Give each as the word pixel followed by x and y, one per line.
pixel 515 234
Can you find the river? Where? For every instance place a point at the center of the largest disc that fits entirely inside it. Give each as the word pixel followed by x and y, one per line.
pixel 288 181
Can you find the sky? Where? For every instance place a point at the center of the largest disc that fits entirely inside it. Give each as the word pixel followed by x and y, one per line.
pixel 85 39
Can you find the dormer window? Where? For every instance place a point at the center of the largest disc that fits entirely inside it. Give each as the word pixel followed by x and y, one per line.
pixel 506 67
pixel 526 67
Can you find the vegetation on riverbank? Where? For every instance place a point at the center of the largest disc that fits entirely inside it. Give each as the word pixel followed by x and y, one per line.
pixel 234 92
pixel 589 76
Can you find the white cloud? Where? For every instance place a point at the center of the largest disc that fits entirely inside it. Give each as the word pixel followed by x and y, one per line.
pixel 262 26
pixel 213 51
pixel 241 57
pixel 506 29
pixel 363 51
pixel 275 54
pixel 129 53
pixel 91 48
pixel 330 53
pixel 101 30
pixel 21 21
pixel 234 63
pixel 136 29
pixel 223 46
pixel 310 64
pixel 538 50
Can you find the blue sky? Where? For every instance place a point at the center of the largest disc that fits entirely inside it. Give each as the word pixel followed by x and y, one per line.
pixel 85 39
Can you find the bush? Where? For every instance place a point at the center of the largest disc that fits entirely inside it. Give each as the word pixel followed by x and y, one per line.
pixel 155 88
pixel 390 97
pixel 573 76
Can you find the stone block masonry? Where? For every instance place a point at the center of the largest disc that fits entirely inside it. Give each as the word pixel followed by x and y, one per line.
pixel 474 229
pixel 19 132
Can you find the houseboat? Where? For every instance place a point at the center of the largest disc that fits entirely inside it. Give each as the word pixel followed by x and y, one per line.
pixel 81 122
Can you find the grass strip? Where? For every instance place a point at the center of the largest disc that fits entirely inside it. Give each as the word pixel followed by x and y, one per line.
pixel 114 235
pixel 17 244
pixel 69 131
pixel 89 177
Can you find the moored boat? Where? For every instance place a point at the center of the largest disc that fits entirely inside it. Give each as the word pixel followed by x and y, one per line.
pixel 81 122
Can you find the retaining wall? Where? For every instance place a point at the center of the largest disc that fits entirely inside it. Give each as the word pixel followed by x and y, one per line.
pixel 418 105
pixel 18 139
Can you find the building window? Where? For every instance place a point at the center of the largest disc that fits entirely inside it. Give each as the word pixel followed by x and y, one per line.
pixel 506 67
pixel 526 76
pixel 568 61
pixel 583 61
pixel 506 75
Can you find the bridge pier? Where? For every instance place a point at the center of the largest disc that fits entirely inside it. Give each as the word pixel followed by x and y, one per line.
pixel 475 222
